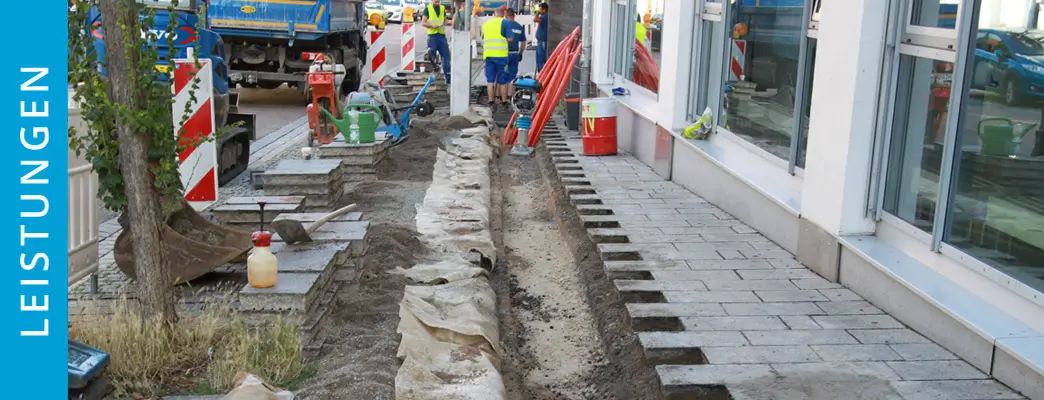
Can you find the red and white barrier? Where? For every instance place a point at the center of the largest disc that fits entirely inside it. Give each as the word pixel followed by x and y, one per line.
pixel 408 62
pixel 196 165
pixel 739 60
pixel 378 55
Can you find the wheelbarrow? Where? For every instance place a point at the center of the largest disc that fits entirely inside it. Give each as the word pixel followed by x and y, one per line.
pixel 1002 137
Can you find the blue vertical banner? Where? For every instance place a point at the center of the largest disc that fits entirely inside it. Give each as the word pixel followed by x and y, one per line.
pixel 34 210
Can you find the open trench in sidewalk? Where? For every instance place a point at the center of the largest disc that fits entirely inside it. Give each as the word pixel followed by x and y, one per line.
pixel 564 330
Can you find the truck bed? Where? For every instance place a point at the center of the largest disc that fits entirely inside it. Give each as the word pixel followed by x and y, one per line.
pixel 286 19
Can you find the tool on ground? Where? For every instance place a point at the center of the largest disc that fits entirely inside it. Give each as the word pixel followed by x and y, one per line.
pixel 293 231
pixel 85 366
pixel 366 122
pixel 1002 137
pixel 324 85
pixel 399 127
pixel 262 265
pixel 525 103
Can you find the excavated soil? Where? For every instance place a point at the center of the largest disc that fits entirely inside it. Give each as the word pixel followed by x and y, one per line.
pixel 358 358
pixel 564 328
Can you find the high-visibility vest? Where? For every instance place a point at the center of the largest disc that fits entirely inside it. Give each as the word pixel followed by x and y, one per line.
pixel 437 20
pixel 639 32
pixel 494 44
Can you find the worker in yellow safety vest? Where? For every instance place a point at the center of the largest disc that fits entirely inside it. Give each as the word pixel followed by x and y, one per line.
pixel 495 52
pixel 434 19
pixel 639 31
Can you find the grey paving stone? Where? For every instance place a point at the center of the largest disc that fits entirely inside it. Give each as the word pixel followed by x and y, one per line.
pixel 704 275
pixel 744 229
pixel 697 230
pixel 777 274
pixel 888 336
pixel 711 297
pixel 635 247
pixel 765 246
pixel 772 308
pixel 717 246
pixel 785 263
pixel 766 254
pixel 731 255
pixel 856 352
pixel 954 390
pixel 800 322
pixel 935 370
pixel 734 237
pixel 789 295
pixel 799 337
pixel 750 285
pixel 840 295
pixel 647 211
pixel 922 352
pixel 653 224
pixel 646 310
pixel 727 264
pixel 627 285
pixel 677 240
pixel 849 307
pixel 857 321
pixel 637 232
pixel 645 265
pixel 682 255
pixel 815 283
pixel 612 218
pixel 766 323
pixel 720 374
pixel 673 340
pixel 836 371
pixel 759 354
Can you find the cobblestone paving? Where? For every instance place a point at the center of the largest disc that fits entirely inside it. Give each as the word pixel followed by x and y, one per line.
pixel 281 144
pixel 716 304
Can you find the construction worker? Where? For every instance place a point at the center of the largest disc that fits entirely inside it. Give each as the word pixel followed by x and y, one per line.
pixel 639 31
pixel 516 45
pixel 495 52
pixel 541 36
pixel 434 19
pixel 459 16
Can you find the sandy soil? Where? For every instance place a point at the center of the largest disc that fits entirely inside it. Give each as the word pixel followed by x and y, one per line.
pixel 358 359
pixel 553 309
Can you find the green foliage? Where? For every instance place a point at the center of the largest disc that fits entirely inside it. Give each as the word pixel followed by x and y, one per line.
pixel 149 112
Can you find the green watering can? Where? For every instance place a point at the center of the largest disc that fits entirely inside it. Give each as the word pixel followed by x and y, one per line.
pixel 368 121
pixel 1000 137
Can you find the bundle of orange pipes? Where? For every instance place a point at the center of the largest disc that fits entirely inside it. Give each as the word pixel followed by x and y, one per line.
pixel 646 70
pixel 554 79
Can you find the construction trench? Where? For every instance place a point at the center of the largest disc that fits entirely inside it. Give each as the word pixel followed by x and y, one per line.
pixel 548 318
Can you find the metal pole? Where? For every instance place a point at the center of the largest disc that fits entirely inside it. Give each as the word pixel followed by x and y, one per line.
pixel 585 53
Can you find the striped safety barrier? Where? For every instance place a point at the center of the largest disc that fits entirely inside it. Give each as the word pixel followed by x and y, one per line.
pixel 739 59
pixel 378 54
pixel 408 62
pixel 197 165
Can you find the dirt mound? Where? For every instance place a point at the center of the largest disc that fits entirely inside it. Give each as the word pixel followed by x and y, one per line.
pixel 456 122
pixel 389 246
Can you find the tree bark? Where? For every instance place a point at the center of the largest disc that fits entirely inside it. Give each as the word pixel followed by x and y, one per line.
pixel 144 216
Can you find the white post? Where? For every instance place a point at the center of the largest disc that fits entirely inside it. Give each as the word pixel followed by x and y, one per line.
pixel 460 63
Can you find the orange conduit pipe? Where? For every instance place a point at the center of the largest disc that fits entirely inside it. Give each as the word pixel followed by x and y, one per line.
pixel 552 74
pixel 559 91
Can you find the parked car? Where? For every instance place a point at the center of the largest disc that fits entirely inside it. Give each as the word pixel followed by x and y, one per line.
pixel 394 9
pixel 1011 63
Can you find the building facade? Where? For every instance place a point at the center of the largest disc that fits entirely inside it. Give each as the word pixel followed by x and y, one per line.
pixel 894 146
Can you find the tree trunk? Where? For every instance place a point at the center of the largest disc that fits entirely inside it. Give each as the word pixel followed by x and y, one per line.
pixel 144 215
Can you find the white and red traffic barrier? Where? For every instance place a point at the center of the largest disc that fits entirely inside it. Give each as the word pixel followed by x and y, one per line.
pixel 409 48
pixel 739 60
pixel 197 165
pixel 377 54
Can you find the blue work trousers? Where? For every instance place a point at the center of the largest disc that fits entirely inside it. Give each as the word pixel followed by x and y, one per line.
pixel 541 56
pixel 441 46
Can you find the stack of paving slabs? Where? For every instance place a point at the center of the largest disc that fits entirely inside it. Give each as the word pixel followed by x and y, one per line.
pixel 320 181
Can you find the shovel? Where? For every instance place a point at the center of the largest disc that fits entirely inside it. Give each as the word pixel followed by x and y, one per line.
pixel 293 231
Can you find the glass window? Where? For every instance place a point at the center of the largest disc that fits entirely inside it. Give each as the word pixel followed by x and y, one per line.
pixel 648 34
pixel 918 130
pixel 622 39
pixel 934 13
pixel 806 109
pixel 996 206
pixel 763 46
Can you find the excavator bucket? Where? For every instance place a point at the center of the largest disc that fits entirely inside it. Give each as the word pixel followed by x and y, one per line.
pixel 192 246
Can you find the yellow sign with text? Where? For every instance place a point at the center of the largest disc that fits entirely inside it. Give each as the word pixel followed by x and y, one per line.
pixel 248 9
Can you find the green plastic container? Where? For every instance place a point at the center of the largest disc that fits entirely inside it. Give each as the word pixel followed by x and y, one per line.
pixel 999 136
pixel 368 121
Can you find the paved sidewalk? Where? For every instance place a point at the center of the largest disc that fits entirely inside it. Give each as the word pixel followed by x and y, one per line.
pixel 718 305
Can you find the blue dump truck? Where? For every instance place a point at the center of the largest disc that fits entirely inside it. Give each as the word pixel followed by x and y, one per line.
pixel 487 6
pixel 233 147
pixel 273 42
